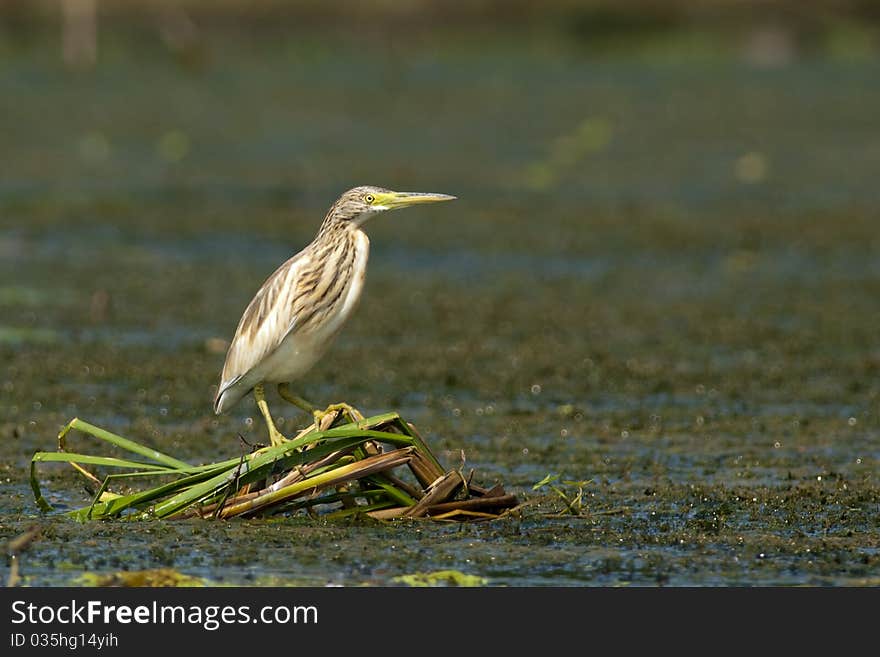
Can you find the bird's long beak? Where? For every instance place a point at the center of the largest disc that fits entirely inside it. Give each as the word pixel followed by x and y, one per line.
pixel 395 200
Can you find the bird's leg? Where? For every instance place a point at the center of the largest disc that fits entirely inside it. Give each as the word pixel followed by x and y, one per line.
pixel 288 395
pixel 275 436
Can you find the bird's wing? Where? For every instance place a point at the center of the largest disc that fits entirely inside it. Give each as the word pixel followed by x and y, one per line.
pixel 268 319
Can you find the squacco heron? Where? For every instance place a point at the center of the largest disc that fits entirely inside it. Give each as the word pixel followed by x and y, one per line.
pixel 293 318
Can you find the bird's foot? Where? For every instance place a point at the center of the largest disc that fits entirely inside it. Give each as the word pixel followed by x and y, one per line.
pixel 325 419
pixel 276 437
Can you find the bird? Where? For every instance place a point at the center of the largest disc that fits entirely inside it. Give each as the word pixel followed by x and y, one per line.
pixel 299 310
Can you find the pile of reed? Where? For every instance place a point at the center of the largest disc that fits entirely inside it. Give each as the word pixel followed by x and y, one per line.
pixel 345 465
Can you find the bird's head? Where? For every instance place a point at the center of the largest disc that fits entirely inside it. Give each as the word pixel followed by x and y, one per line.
pixel 359 204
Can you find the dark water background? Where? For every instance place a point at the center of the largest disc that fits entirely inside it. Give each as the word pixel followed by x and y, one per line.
pixel 661 277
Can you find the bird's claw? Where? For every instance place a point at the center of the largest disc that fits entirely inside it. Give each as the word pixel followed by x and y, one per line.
pixel 276 437
pixel 325 419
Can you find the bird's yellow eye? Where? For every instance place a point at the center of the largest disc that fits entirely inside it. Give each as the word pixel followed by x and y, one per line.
pixel 369 198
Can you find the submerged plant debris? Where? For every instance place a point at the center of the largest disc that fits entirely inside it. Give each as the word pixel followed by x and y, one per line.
pixel 345 465
pixel 441 578
pixel 152 577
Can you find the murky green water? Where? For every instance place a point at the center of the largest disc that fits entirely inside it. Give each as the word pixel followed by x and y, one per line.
pixel 661 277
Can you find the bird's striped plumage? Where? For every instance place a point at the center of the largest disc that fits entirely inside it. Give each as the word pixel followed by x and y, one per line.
pixel 299 309
pixel 294 316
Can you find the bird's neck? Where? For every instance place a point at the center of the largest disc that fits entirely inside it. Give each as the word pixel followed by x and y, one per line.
pixel 333 226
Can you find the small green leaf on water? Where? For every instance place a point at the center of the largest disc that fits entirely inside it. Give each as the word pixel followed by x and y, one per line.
pixel 549 479
pixel 441 578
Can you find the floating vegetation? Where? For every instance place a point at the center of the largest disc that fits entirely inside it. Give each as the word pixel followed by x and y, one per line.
pixel 574 501
pixel 166 577
pixel 378 466
pixel 441 578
